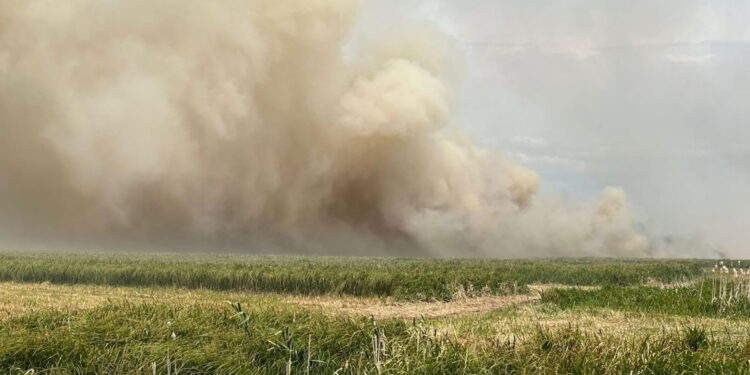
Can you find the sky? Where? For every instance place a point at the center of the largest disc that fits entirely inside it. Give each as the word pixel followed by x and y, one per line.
pixel 652 97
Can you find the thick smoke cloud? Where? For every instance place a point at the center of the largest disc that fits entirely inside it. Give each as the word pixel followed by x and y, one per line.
pixel 649 96
pixel 237 124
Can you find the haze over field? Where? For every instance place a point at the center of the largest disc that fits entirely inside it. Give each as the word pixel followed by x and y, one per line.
pixel 294 126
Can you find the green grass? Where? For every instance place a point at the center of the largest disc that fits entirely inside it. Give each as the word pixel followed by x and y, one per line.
pixel 687 301
pixel 683 330
pixel 406 278
pixel 123 338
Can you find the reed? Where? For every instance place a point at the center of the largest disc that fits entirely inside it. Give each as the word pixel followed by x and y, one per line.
pixel 403 278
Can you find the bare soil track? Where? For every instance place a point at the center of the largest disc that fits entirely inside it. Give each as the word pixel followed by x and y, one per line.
pixel 380 309
pixel 20 298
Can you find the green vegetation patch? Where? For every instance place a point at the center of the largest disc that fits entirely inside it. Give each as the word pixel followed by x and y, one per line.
pixel 407 278
pixel 258 338
pixel 698 300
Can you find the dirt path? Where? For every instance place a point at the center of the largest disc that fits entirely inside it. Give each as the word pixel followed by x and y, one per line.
pixel 21 298
pixel 384 309
pixel 380 309
pixel 539 288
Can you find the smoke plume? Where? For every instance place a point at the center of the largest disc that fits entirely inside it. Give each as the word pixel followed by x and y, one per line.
pixel 237 124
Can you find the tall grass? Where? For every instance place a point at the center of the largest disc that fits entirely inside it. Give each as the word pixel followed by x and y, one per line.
pixel 730 288
pixel 412 278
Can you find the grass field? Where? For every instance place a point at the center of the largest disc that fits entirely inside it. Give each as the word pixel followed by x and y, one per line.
pixel 424 279
pixel 196 314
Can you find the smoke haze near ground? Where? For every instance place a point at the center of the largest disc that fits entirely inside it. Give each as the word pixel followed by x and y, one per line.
pixel 239 125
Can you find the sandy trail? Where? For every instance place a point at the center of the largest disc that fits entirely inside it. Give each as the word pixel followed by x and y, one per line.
pixel 384 309
pixel 21 298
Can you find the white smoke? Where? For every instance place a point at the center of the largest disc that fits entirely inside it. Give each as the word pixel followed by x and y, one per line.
pixel 237 123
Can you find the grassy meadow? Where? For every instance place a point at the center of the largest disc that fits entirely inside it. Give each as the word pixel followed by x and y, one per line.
pixel 407 278
pixel 233 314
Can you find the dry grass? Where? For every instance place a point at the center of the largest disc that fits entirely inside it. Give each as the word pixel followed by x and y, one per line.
pixel 20 298
pixel 677 284
pixel 497 317
pixel 539 288
pixel 518 322
pixel 384 309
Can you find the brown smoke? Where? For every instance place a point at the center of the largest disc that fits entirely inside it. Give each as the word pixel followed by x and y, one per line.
pixel 237 124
